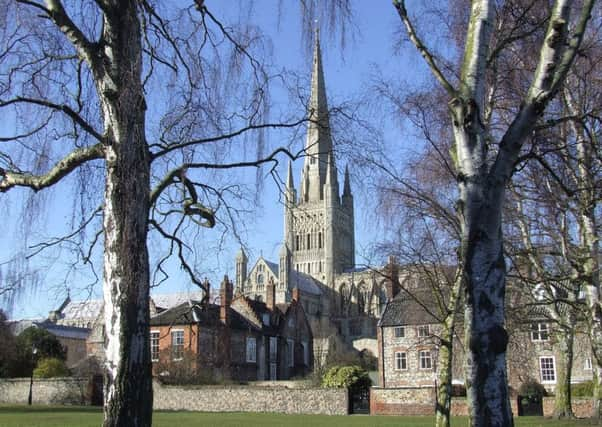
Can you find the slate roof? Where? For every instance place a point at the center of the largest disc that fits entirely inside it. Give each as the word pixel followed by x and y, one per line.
pixel 171 300
pixel 209 316
pixel 89 309
pixel 405 310
pixel 64 331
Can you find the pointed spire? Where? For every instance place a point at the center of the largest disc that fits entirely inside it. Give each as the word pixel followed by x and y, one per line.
pixel 317 102
pixel 289 178
pixel 347 183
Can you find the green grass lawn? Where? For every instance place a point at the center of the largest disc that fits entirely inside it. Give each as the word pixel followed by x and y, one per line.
pixel 68 416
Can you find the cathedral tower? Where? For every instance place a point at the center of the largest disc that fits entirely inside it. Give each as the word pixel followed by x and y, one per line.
pixel 319 224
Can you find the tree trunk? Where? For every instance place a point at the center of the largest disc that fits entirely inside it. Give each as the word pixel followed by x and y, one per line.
pixel 444 375
pixel 128 380
pixel 564 368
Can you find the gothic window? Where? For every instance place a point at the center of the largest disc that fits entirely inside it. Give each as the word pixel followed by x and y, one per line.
pixel 308 241
pixel 297 245
pixel 320 266
pixel 319 240
pixel 308 268
pixel 343 302
pixel 260 282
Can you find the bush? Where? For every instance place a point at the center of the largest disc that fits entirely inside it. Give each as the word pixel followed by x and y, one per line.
pixel 584 389
pixel 51 367
pixel 351 377
pixel 532 388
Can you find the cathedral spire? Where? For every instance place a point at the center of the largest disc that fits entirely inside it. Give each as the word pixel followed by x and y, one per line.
pixel 346 183
pixel 318 144
pixel 289 178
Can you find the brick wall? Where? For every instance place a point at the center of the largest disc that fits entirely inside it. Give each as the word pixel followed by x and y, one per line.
pixel 251 399
pixel 414 401
pixel 50 391
pixel 582 408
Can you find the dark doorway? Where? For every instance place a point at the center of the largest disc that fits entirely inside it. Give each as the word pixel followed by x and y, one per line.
pixel 530 406
pixel 359 400
pixel 96 397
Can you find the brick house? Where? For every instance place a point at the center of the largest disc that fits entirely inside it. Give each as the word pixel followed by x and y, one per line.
pixel 239 338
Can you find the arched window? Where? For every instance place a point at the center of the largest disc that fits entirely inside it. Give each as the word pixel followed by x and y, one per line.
pixel 308 241
pixel 297 243
pixel 319 240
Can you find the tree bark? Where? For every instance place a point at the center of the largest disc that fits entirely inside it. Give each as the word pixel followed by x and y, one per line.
pixel 444 375
pixel 562 398
pixel 128 379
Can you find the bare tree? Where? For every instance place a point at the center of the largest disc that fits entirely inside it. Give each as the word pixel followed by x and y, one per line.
pixel 141 98
pixel 485 154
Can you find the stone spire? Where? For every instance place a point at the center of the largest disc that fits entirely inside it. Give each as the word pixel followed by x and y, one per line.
pixel 346 183
pixel 318 143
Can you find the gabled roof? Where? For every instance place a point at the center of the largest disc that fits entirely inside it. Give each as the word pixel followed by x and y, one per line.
pixel 407 310
pixel 192 313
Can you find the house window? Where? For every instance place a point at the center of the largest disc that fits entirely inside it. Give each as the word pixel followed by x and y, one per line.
pixel 273 348
pixel 291 352
pixel 399 331
pixel 401 360
pixel 425 360
pixel 154 343
pixel 539 332
pixel 305 353
pixel 547 369
pixel 251 350
pixel 588 364
pixel 424 331
pixel 265 318
pixel 177 345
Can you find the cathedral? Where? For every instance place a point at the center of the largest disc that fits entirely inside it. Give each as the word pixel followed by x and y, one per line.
pixel 317 256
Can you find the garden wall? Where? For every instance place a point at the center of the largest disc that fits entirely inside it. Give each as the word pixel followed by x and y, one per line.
pixel 582 408
pixel 52 391
pixel 251 399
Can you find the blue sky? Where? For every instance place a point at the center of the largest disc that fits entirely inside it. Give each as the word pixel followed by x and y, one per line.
pixel 348 73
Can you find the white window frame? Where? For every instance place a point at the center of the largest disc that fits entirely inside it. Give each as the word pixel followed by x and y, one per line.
pixel 547 370
pixel 401 330
pixel 538 329
pixel 251 347
pixel 175 332
pixel 587 364
pixel 425 356
pixel 422 329
pixel 290 344
pixel 157 335
pixel 401 361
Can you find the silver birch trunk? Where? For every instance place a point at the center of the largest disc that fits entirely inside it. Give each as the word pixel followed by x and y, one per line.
pixel 444 375
pixel 562 393
pixel 128 379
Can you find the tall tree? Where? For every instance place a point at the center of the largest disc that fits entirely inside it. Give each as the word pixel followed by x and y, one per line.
pixel 132 95
pixel 485 157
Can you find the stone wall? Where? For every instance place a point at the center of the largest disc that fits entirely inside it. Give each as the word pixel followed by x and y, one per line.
pixel 50 391
pixel 251 399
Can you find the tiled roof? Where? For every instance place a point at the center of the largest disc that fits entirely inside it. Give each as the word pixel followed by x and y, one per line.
pixel 405 310
pixel 187 314
pixel 171 300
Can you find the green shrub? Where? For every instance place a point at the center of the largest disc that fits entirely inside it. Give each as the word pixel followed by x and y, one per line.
pixel 532 388
pixel 584 389
pixel 351 377
pixel 51 367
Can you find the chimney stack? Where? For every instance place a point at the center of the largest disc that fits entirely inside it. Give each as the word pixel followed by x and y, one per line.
pixel 270 297
pixel 392 280
pixel 225 300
